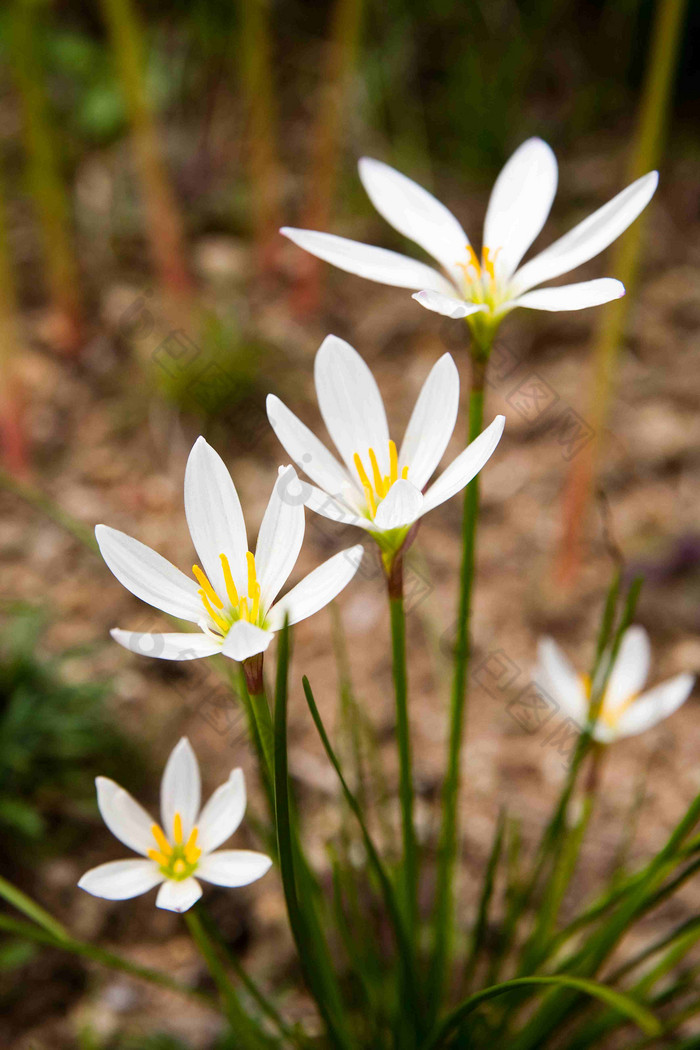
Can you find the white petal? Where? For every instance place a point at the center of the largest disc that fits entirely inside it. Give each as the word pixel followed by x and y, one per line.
pixel 280 537
pixel 466 466
pixel 520 202
pixel 119 880
pixel 446 305
pixel 245 640
pixel 350 403
pixel 655 705
pixel 415 213
pixel 432 422
pixel 320 502
pixel 149 576
pixel 309 454
pixel 631 668
pixel 234 867
pixel 125 818
pixel 172 646
pixel 402 505
pixel 557 678
pixel 318 588
pixel 178 896
pixel 223 813
pixel 590 237
pixel 180 789
pixel 571 296
pixel 214 517
pixel 364 260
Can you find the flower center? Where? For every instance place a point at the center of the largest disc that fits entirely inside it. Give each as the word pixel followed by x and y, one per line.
pixel 607 715
pixel 239 608
pixel 480 275
pixel 377 488
pixel 177 860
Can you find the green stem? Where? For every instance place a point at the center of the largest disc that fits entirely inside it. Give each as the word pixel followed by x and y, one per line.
pixel 247 1035
pixel 410 863
pixel 32 910
pixel 27 931
pixel 444 906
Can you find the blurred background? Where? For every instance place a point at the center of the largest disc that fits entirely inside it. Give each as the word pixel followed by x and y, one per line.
pixel 148 155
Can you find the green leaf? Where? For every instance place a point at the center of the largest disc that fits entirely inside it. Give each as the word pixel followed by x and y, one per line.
pixel 634 1011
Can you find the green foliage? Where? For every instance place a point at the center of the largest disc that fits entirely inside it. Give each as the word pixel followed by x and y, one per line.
pixel 54 739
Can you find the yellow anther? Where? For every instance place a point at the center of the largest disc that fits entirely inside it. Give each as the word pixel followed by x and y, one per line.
pixel 361 471
pixel 159 836
pixel 177 829
pixel 207 587
pixel 489 262
pixel 218 620
pixel 192 851
pixel 371 502
pixel 243 608
pixel 404 473
pixel 228 580
pixel 255 608
pixel 378 482
pixel 473 260
pixel 159 857
pixel 252 578
pixel 393 462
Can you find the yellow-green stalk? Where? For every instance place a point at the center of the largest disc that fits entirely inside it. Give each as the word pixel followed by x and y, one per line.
pixel 13 445
pixel 327 139
pixel 165 228
pixel 627 253
pixel 264 169
pixel 44 176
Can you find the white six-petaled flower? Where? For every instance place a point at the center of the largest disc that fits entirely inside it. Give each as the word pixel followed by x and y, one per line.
pixel 184 845
pixel 232 598
pixel 493 283
pixel 380 488
pixel 625 710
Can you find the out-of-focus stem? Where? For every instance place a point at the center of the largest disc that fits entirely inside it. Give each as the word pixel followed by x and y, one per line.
pixel 264 169
pixel 165 230
pixel 44 175
pixel 626 257
pixel 13 443
pixel 327 137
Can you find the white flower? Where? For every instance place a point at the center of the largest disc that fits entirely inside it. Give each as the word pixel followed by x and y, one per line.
pixel 625 709
pixel 183 845
pixel 379 488
pixel 494 283
pixel 232 599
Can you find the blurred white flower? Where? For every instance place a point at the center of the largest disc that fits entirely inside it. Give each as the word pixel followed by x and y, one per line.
pixel 625 709
pixel 183 845
pixel 233 598
pixel 380 488
pixel 493 283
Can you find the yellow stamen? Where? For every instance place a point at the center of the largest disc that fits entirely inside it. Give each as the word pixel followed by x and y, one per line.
pixel 378 483
pixel 252 578
pixel 159 836
pixel 404 473
pixel 393 462
pixel 159 857
pixel 207 587
pixel 192 851
pixel 489 262
pixel 473 260
pixel 243 607
pixel 228 580
pixel 371 502
pixel 177 829
pixel 218 620
pixel 255 608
